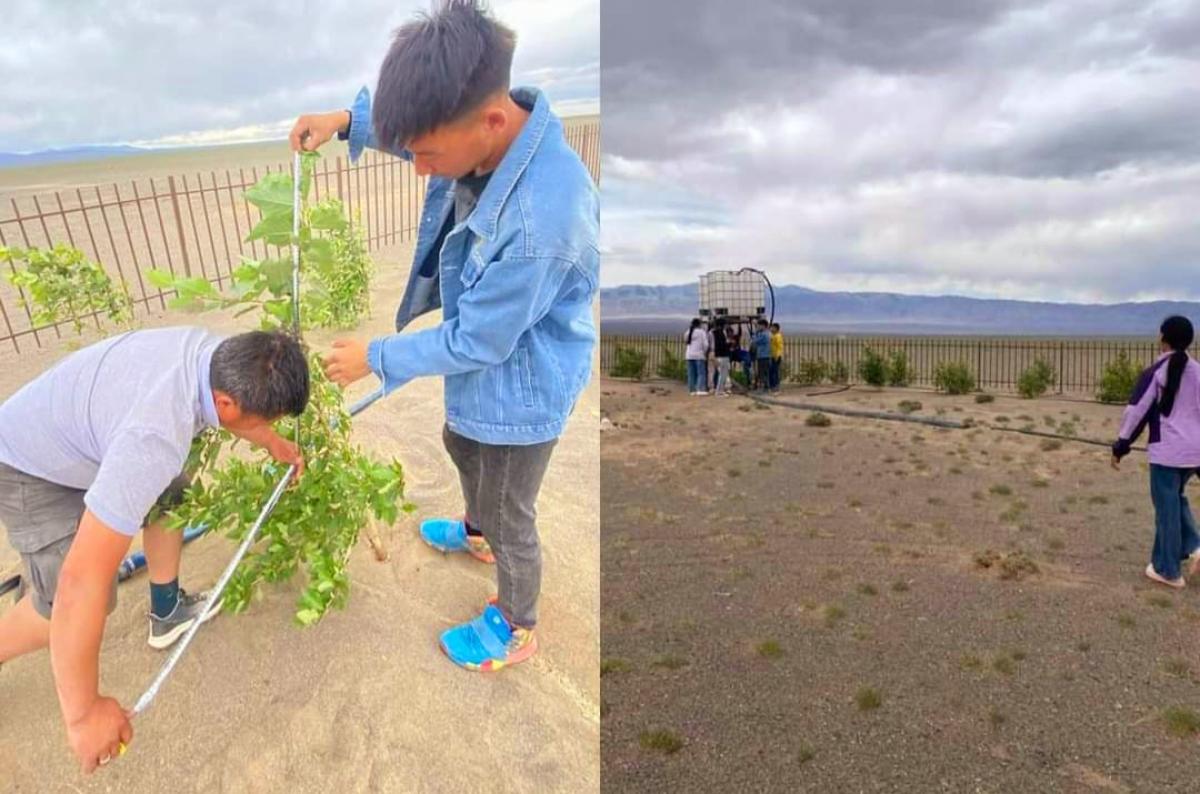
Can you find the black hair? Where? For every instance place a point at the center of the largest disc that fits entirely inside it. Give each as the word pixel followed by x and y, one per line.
pixel 265 371
pixel 440 67
pixel 776 325
pixel 1177 333
pixel 695 325
pixel 762 324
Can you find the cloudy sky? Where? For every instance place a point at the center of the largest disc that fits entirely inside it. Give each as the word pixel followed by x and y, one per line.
pixel 175 72
pixel 1042 150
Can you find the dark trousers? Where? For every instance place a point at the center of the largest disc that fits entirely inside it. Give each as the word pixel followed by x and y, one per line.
pixel 500 486
pixel 762 374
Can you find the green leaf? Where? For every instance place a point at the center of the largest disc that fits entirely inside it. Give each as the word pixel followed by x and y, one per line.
pixel 185 303
pixel 196 286
pixel 278 274
pixel 280 310
pixel 272 194
pixel 307 617
pixel 160 278
pixel 327 216
pixel 274 229
pixel 308 161
pixel 319 253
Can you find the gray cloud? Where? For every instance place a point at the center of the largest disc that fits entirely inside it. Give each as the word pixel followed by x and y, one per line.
pixel 1029 149
pixel 82 72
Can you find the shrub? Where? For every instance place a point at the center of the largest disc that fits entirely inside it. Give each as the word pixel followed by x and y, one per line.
pixel 1036 380
pixel 666 742
pixel 868 699
pixel 672 366
pixel 818 419
pixel 873 368
pixel 985 398
pixel 1117 382
pixel 839 373
pixel 898 374
pixel 63 284
pixel 954 377
pixel 631 363
pixel 811 372
pixel 316 521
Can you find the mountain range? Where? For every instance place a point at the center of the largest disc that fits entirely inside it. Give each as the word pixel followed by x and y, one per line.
pixel 650 309
pixel 66 155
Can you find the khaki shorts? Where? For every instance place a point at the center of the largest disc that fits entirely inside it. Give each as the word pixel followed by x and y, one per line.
pixel 42 518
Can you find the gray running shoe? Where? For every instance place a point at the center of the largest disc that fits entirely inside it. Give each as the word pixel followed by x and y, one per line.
pixel 165 631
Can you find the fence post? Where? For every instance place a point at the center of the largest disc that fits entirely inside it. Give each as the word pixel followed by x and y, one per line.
pixel 187 264
pixel 1060 365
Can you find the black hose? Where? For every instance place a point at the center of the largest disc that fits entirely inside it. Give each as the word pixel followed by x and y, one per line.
pixel 950 424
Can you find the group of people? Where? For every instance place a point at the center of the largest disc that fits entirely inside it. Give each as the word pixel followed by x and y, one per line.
pixel 507 248
pixel 761 359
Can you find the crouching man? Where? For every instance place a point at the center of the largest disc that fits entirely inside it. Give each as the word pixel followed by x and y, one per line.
pixel 87 451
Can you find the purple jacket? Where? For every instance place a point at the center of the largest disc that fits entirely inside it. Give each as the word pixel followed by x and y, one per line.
pixel 1174 439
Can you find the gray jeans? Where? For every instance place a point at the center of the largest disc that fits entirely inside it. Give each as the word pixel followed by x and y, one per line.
pixel 500 486
pixel 721 382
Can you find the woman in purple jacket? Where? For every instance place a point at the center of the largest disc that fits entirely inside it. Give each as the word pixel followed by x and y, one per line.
pixel 1167 399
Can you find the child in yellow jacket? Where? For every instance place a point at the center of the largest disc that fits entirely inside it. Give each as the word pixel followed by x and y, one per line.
pixel 776 356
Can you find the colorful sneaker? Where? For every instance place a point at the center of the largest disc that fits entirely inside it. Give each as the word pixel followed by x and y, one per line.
pixel 165 631
pixel 488 643
pixel 448 534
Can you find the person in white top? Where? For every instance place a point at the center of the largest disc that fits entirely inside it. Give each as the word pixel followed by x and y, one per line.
pixel 697 341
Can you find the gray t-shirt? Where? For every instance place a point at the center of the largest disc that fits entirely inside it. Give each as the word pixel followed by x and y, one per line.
pixel 115 419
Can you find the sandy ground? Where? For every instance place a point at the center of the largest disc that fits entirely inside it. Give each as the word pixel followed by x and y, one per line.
pixel 764 580
pixel 365 701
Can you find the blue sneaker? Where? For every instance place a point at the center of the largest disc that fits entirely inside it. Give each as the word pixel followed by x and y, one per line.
pixel 449 534
pixel 488 643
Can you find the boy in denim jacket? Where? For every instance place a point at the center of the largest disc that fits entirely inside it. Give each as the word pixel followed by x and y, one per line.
pixel 507 247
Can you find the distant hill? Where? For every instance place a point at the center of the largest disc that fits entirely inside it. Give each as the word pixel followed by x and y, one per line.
pixel 68 155
pixel 645 309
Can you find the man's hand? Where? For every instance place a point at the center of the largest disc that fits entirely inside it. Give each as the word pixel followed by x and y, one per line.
pixel 285 451
pixel 97 736
pixel 315 129
pixel 347 363
pixel 1116 463
pixel 96 725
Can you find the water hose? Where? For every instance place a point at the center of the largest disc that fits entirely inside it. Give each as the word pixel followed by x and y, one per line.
pixel 950 424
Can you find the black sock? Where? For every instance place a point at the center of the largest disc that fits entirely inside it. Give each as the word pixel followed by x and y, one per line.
pixel 472 531
pixel 164 597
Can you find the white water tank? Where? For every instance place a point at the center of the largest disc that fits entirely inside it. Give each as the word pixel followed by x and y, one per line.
pixel 735 294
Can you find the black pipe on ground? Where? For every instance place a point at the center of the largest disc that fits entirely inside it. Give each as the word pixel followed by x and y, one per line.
pixel 950 424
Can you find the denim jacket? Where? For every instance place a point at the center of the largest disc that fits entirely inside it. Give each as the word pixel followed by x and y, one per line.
pixel 515 281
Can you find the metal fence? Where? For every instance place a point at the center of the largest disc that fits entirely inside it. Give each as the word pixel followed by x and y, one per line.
pixel 196 224
pixel 996 362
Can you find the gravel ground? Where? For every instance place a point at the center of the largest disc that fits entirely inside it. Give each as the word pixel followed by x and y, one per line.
pixel 883 606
